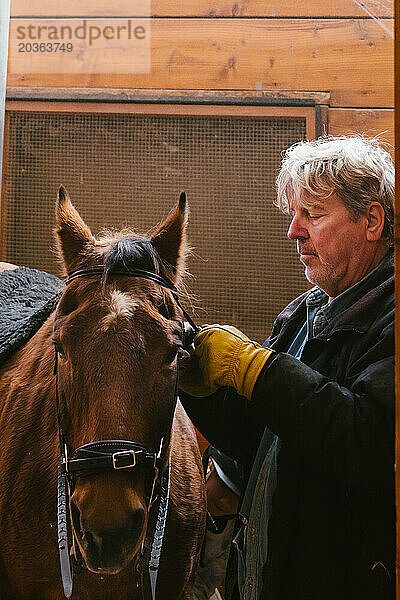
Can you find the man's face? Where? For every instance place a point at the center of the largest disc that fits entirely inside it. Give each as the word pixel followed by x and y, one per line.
pixel 330 243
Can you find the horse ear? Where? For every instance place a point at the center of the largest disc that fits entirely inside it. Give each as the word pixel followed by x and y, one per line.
pixel 170 238
pixel 72 233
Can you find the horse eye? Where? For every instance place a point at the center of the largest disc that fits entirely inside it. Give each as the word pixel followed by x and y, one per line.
pixel 163 310
pixel 59 350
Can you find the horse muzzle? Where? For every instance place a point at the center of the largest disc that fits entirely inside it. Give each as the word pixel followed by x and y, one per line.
pixel 108 547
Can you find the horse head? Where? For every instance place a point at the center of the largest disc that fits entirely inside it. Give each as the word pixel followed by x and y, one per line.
pixel 117 338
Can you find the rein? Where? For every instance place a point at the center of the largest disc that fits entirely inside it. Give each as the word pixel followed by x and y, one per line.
pixel 114 455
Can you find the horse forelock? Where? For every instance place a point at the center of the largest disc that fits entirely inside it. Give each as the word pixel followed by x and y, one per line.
pixel 132 251
pixel 125 250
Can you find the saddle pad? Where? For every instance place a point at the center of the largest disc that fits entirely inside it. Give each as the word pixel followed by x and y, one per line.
pixel 27 298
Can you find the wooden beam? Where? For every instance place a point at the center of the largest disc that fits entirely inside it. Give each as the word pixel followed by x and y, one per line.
pixel 169 109
pixel 166 95
pixel 353 59
pixel 4 34
pixel 3 196
pixel 370 122
pixel 397 293
pixel 206 8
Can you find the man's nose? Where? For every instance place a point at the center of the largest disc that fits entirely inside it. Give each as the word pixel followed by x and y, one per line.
pixel 297 229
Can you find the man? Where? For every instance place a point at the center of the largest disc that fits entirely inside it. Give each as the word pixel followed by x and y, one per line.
pixel 310 415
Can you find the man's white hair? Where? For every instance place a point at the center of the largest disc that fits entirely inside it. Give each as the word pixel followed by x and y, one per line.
pixel 356 168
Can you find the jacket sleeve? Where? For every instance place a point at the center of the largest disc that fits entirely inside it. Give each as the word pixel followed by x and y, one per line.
pixel 226 422
pixel 345 431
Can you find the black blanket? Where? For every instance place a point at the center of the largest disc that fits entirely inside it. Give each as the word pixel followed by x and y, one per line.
pixel 27 298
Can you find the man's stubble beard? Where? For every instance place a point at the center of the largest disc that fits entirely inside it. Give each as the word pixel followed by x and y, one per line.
pixel 324 276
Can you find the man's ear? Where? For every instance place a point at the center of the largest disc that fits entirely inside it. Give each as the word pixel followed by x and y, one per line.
pixel 375 214
pixel 72 233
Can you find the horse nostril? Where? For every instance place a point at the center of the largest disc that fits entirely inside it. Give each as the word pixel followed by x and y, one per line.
pixel 107 540
pixel 89 538
pixel 97 540
pixel 137 522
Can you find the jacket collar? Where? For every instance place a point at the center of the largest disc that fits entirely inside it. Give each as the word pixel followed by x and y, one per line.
pixel 367 300
pixel 358 317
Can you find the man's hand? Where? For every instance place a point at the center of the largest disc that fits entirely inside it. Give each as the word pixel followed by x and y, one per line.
pixel 223 356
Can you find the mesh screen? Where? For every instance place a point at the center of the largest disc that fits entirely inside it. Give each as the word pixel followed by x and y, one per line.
pixel 128 170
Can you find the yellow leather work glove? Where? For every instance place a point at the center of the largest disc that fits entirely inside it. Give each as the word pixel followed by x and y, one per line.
pixel 223 356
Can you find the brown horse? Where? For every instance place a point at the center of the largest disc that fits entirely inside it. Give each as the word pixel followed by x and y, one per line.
pixel 118 339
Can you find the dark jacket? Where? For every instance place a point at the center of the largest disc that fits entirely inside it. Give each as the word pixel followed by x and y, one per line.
pixel 332 526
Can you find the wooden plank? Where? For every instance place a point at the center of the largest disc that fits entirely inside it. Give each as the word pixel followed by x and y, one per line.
pixel 4 33
pixel 322 120
pixel 397 296
pixel 343 121
pixel 3 196
pixel 170 109
pixel 206 8
pixel 283 112
pixel 163 95
pixel 350 58
pixel 164 109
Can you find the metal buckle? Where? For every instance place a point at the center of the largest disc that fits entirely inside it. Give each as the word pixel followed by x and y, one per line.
pixel 65 458
pixel 124 453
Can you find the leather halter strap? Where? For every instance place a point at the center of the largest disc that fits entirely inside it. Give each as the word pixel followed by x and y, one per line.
pixel 107 456
pixel 162 280
pixel 88 271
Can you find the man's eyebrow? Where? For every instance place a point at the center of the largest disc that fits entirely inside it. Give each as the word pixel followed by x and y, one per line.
pixel 315 206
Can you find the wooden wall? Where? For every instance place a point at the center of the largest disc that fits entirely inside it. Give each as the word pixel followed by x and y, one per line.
pixel 296 47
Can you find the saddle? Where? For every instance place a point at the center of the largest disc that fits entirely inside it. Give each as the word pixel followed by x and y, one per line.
pixel 27 298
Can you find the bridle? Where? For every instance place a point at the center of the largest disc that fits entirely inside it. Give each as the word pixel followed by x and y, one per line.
pixel 108 456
